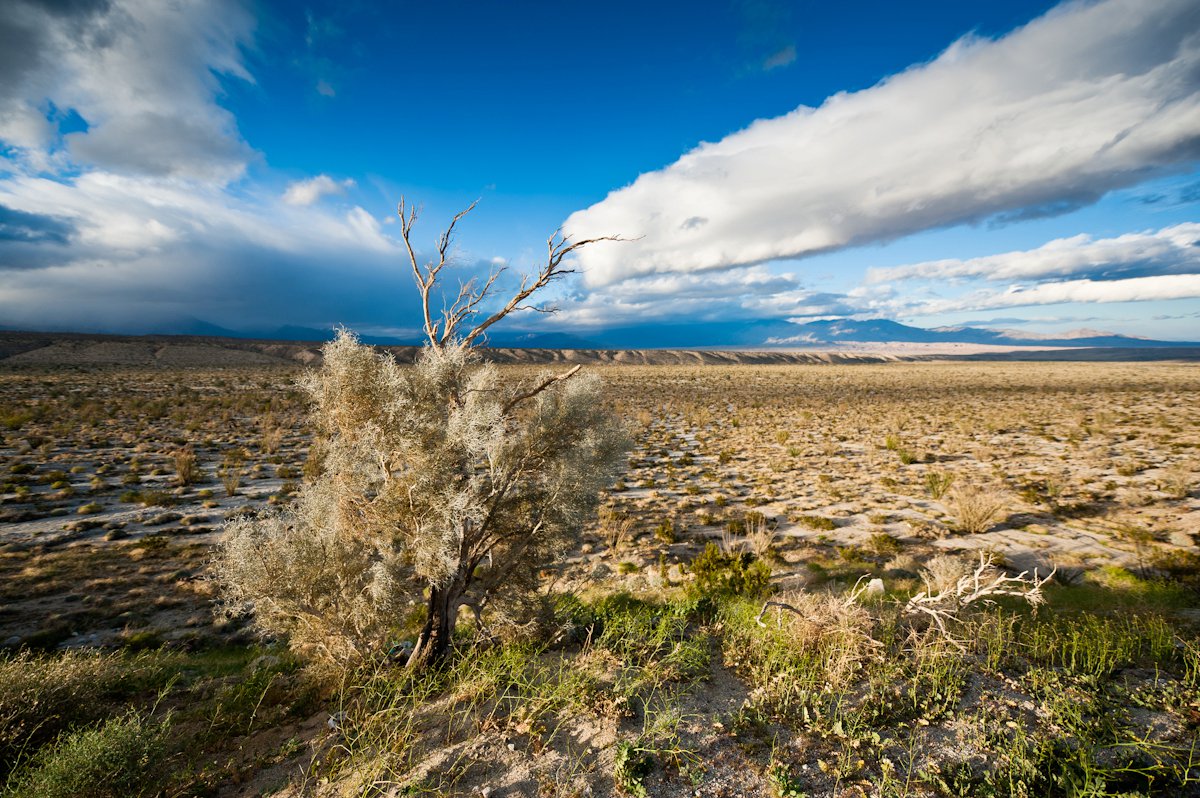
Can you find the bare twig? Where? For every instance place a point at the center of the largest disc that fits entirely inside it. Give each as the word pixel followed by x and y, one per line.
pixel 427 275
pixel 558 247
pixel 980 587
pixel 541 386
pixel 467 302
pixel 781 605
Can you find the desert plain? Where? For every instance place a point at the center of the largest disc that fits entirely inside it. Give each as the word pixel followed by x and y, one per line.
pixel 645 677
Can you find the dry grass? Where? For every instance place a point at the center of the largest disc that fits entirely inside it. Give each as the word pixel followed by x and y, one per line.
pixel 976 508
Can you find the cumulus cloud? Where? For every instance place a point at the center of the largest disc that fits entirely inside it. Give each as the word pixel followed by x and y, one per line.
pixel 142 74
pixel 1172 250
pixel 131 215
pixel 307 192
pixel 125 252
pixel 1088 98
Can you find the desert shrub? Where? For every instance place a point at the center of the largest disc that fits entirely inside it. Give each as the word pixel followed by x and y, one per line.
pixel 976 508
pixel 942 572
pixel 937 483
pixel 882 544
pixel 361 544
pixel 1178 481
pixel 665 531
pixel 14 420
pixel 760 535
pixel 817 522
pixel 616 527
pixel 440 486
pixel 122 758
pixel 724 574
pixel 186 468
pixel 333 595
pixel 231 476
pixel 150 498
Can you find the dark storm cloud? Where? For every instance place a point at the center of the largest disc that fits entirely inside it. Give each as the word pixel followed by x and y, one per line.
pixel 29 228
pixel 142 74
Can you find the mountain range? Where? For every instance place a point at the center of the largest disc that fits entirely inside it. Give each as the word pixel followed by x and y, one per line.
pixel 754 334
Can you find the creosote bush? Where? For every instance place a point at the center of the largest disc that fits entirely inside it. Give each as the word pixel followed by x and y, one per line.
pixel 439 486
pixel 724 574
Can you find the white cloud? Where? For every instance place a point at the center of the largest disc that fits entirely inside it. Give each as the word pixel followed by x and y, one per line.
pixel 1090 97
pixel 1173 249
pixel 748 292
pixel 1134 289
pixel 307 192
pixel 141 73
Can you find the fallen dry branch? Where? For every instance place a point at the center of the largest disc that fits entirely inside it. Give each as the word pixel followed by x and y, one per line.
pixel 982 586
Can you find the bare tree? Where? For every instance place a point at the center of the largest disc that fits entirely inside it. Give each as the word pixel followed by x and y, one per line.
pixel 443 486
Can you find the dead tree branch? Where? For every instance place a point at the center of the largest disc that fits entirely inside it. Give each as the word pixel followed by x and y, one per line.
pixel 541 386
pixel 978 588
pixel 558 247
pixel 467 302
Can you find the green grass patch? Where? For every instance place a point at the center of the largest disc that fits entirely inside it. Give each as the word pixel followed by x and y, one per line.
pixel 120 758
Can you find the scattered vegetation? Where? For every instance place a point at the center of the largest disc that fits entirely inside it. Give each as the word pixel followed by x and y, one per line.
pixel 646 662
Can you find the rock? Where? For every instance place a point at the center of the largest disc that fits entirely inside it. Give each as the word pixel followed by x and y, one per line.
pixel 82 525
pixel 875 587
pixel 1182 539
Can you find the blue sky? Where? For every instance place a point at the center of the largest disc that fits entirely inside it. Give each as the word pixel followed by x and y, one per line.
pixel 1013 164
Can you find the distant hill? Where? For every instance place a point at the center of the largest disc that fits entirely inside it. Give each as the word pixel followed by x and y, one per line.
pixel 25 350
pixel 885 330
pixel 732 335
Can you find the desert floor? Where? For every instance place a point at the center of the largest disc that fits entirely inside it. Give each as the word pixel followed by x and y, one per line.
pixel 115 483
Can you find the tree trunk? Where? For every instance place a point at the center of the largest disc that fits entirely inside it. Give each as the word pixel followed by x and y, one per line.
pixel 433 644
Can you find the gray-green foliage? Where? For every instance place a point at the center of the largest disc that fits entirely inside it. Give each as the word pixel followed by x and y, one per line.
pixel 441 485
